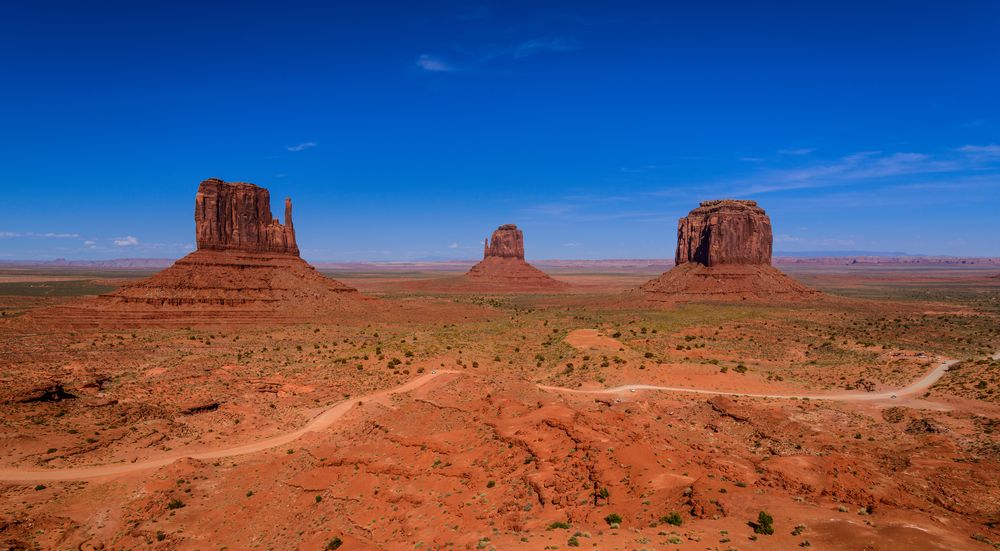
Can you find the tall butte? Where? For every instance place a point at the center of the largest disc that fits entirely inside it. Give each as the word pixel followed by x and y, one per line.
pixel 246 269
pixel 724 253
pixel 503 267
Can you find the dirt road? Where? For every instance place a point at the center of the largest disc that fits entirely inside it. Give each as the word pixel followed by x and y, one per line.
pixel 332 415
pixel 318 423
pixel 914 388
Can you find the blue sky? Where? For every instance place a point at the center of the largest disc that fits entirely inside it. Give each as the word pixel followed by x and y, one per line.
pixel 410 130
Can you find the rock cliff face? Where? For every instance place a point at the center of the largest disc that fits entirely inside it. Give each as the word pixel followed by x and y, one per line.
pixel 237 216
pixel 729 231
pixel 507 242
pixel 724 253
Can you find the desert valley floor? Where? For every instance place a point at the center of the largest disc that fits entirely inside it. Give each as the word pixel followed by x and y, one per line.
pixel 867 417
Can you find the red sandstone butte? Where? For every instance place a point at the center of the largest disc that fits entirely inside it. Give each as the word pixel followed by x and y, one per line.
pixel 503 267
pixel 507 242
pixel 724 253
pixel 237 216
pixel 247 269
pixel 729 231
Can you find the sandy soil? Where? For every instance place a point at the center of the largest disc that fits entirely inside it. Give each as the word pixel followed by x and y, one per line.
pixel 476 420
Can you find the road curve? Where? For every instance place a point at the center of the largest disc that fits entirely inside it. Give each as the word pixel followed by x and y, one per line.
pixel 916 387
pixel 328 417
pixel 322 421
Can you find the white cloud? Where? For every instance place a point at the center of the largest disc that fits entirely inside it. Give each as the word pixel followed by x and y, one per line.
pixel 127 241
pixel 571 244
pixel 89 243
pixel 797 151
pixel 864 165
pixel 434 64
pixel 454 246
pixel 50 235
pixel 982 150
pixel 301 147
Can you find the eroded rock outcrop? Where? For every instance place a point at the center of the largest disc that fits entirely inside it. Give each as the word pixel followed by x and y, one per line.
pixel 502 270
pixel 247 269
pixel 237 216
pixel 724 253
pixel 503 267
pixel 507 242
pixel 729 231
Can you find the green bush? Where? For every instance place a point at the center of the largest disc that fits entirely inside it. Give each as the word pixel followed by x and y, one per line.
pixel 175 504
pixel 613 518
pixel 559 525
pixel 764 524
pixel 335 543
pixel 673 519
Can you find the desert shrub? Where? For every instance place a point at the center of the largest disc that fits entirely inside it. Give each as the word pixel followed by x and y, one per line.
pixel 648 355
pixel 175 504
pixel 160 536
pixel 335 543
pixel 673 519
pixel 40 487
pixel 573 542
pixel 559 525
pixel 613 518
pixel 764 524
pixel 491 484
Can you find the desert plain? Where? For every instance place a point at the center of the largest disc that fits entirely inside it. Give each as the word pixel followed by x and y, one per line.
pixel 865 417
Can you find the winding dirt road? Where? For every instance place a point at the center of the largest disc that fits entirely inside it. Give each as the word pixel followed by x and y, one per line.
pixel 913 388
pixel 330 416
pixel 322 421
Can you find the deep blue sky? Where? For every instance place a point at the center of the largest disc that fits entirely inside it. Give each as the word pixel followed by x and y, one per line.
pixel 412 129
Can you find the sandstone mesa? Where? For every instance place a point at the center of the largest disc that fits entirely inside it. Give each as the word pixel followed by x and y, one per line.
pixel 724 253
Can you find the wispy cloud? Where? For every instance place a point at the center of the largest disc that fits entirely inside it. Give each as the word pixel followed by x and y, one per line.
pixel 857 167
pixel 990 150
pixel 822 242
pixel 127 241
pixel 301 147
pixel 797 151
pixel 465 59
pixel 48 235
pixel 434 64
pixel 542 45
